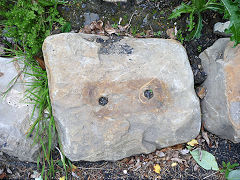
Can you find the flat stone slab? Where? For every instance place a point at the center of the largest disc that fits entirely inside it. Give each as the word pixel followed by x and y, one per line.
pixel 221 105
pixel 15 114
pixel 116 97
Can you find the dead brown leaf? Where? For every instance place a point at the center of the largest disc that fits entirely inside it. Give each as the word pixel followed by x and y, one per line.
pixel 3 176
pixel 178 160
pixel 178 147
pixel 40 62
pixel 205 136
pixel 171 33
pixel 109 29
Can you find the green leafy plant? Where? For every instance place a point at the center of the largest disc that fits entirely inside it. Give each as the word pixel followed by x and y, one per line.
pixel 158 33
pixel 227 168
pixel 180 36
pixel 29 22
pixel 195 9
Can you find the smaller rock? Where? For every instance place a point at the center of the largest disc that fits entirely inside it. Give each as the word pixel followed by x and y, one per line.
pixel 90 17
pixel 9 171
pixel 219 28
pixel 160 154
pixel 184 151
pixel 201 91
pixel 1 49
pixel 139 1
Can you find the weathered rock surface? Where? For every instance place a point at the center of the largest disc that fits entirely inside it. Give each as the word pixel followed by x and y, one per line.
pixel 219 28
pixel 114 98
pixel 221 105
pixel 14 115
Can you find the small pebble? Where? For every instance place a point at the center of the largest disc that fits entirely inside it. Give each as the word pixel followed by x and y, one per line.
pixel 125 171
pixel 9 171
pixel 160 154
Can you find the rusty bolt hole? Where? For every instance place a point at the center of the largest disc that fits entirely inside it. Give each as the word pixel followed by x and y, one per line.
pixel 103 101
pixel 148 93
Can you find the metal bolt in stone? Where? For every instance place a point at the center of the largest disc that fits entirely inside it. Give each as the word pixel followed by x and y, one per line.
pixel 148 93
pixel 103 101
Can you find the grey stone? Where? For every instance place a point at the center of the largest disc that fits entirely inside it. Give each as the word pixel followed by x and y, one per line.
pixel 90 17
pixel 221 105
pixel 219 28
pixel 1 49
pixel 15 114
pixel 98 89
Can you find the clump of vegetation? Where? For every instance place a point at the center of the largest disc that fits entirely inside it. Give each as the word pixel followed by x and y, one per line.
pixel 29 22
pixel 231 10
pixel 227 168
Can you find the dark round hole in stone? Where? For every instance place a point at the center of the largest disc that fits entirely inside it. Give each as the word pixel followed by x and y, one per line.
pixel 103 101
pixel 148 93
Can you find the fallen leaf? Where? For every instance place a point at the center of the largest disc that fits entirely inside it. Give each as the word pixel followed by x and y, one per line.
pixel 193 142
pixel 74 168
pixel 196 167
pixel 62 178
pixel 177 147
pixel 40 62
pixel 205 136
pixel 201 92
pixel 171 33
pixel 157 168
pixel 174 164
pixel 109 29
pixel 3 176
pixel 207 161
pixel 178 160
pixel 234 175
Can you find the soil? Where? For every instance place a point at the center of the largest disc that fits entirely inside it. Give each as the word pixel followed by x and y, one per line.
pixel 143 15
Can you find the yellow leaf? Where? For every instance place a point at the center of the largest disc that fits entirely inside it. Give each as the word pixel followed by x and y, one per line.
pixel 62 178
pixel 157 168
pixel 74 167
pixel 193 142
pixel 174 164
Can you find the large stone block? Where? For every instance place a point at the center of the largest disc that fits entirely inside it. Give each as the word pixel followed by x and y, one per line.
pixel 15 114
pixel 221 105
pixel 116 97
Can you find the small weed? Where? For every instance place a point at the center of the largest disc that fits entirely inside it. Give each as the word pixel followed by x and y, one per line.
pixel 115 25
pixel 227 168
pixel 143 33
pixel 157 34
pixel 134 31
pixel 180 36
pixel 199 48
pixel 195 8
